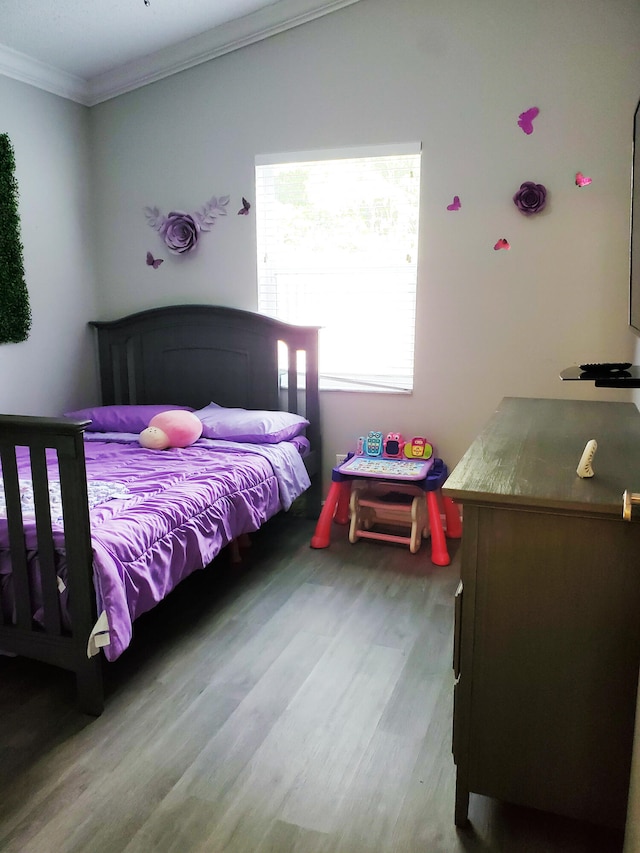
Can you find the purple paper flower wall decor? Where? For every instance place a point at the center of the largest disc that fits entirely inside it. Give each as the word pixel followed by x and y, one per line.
pixel 181 231
pixel 531 198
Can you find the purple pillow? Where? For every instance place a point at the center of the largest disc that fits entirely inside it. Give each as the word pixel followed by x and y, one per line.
pixel 250 425
pixel 121 418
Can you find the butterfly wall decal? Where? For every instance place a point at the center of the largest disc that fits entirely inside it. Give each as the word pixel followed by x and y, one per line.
pixel 246 207
pixel 525 119
pixel 582 180
pixel 455 204
pixel 154 262
pixel 502 243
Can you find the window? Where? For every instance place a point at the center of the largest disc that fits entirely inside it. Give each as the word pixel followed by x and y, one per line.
pixel 337 235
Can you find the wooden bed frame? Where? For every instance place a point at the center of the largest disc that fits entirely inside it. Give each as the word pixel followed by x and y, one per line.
pixel 184 354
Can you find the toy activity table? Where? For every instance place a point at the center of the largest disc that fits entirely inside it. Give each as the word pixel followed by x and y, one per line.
pixel 427 475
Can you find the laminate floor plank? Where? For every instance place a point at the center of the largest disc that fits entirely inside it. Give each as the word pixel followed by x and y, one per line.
pixel 208 783
pixel 411 707
pixel 119 785
pixel 329 753
pixel 370 807
pixel 425 822
pixel 287 838
pixel 298 703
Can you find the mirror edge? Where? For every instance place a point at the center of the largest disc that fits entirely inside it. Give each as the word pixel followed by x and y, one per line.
pixel 634 235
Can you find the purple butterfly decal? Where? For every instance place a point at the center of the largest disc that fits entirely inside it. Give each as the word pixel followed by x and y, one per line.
pixel 154 262
pixel 525 119
pixel 455 204
pixel 246 207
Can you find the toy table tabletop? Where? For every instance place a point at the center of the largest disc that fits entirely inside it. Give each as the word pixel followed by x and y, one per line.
pixel 391 469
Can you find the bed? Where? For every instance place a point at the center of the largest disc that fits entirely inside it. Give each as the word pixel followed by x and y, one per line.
pixel 95 529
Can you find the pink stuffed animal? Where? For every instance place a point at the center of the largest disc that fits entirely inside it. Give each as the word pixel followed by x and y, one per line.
pixel 171 429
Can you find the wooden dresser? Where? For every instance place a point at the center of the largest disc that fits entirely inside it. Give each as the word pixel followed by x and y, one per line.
pixel 547 636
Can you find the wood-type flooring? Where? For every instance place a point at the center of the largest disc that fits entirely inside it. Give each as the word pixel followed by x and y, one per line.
pixel 298 703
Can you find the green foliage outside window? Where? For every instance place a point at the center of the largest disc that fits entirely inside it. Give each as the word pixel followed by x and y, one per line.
pixel 15 314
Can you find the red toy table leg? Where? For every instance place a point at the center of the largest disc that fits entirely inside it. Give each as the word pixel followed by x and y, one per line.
pixel 452 518
pixel 342 509
pixel 335 498
pixel 439 553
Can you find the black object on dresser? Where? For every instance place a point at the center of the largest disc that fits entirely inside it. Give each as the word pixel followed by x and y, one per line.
pixel 547 634
pixel 608 375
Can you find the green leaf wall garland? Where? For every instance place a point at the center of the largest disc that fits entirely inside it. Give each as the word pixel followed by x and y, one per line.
pixel 15 313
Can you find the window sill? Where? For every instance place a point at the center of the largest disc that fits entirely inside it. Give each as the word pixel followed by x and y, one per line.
pixel 359 388
pixel 370 384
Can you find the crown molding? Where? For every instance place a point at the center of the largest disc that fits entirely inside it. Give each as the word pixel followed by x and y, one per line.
pixel 21 67
pixel 264 23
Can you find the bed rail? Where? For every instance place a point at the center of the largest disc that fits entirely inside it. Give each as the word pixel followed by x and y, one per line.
pixel 34 586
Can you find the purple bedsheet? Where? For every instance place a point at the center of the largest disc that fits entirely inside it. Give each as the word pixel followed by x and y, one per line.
pixel 183 506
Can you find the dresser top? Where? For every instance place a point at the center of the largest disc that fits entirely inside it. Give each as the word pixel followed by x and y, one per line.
pixel 528 453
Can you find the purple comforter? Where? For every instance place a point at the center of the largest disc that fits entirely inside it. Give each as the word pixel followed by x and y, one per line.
pixel 181 507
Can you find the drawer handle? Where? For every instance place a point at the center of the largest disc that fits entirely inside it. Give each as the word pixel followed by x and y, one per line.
pixel 628 499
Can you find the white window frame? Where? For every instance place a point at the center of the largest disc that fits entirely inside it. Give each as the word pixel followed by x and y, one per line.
pixel 366 299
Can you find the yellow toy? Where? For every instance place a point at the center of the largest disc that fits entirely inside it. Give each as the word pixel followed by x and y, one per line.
pixel 418 448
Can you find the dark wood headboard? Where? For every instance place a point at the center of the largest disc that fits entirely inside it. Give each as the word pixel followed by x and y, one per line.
pixel 195 354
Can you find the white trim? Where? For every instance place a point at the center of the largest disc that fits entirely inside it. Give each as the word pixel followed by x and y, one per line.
pixel 264 23
pixel 21 67
pixel 355 152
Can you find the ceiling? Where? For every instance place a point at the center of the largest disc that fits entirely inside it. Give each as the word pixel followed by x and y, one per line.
pixel 92 50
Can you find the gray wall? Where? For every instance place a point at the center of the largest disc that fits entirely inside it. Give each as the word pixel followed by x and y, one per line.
pixel 454 74
pixel 54 368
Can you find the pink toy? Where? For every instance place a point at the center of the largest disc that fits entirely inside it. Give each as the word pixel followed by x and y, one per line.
pixel 171 429
pixel 393 445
